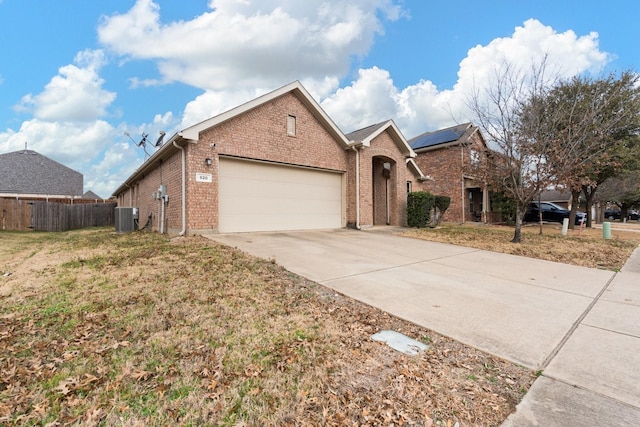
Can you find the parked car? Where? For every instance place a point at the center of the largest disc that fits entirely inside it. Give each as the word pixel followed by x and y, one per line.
pixel 614 214
pixel 551 213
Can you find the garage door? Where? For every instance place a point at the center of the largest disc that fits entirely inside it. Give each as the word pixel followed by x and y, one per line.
pixel 257 196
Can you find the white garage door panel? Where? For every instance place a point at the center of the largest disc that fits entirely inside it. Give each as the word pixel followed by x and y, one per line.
pixel 257 196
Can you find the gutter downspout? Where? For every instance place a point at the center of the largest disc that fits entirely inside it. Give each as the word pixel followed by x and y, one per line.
pixel 184 193
pixel 462 179
pixel 357 150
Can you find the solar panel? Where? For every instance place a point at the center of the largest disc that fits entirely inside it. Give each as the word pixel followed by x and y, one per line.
pixel 435 138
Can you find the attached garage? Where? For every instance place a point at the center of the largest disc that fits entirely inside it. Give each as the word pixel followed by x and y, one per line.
pixel 275 163
pixel 264 196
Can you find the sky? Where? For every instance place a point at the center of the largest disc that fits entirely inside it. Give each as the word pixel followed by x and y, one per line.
pixel 76 76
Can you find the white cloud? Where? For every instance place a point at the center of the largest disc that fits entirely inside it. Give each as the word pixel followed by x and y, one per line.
pixel 73 144
pixel 370 99
pixel 237 44
pixel 212 103
pixel 117 163
pixel 75 94
pixel 566 53
pixel 373 97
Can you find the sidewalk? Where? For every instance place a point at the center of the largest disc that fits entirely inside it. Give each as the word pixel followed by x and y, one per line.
pixel 594 378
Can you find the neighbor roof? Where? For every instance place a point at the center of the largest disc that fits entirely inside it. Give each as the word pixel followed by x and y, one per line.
pixel 555 196
pixel 27 172
pixel 452 135
pixel 91 195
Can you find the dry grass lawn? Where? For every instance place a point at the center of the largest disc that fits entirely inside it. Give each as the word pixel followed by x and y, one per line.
pixel 99 328
pixel 585 247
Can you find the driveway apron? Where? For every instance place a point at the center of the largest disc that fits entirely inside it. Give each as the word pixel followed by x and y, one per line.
pixel 580 326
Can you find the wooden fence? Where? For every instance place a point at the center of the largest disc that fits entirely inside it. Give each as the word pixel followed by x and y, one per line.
pixel 25 215
pixel 15 214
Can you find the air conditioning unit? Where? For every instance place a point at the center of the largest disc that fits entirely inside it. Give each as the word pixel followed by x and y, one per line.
pixel 126 219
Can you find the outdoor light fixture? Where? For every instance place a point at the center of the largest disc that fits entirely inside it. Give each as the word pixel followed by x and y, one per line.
pixel 207 161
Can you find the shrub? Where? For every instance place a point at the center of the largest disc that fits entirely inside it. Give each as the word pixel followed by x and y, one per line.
pixel 419 205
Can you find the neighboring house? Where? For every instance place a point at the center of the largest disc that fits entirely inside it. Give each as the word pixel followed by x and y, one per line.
pixel 561 198
pixel 90 195
pixel 26 174
pixel 277 162
pixel 448 157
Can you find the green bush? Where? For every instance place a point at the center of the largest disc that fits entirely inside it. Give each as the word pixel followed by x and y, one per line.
pixel 419 205
pixel 425 210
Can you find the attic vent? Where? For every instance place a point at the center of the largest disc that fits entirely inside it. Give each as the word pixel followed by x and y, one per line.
pixel 291 125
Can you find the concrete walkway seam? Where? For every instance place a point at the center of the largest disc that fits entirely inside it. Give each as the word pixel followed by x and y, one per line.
pixel 577 323
pixel 590 391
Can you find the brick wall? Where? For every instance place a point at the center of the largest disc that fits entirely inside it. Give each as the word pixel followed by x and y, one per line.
pixel 373 184
pixel 446 167
pixel 168 172
pixel 259 134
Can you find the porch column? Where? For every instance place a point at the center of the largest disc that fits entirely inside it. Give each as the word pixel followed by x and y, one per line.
pixel 485 204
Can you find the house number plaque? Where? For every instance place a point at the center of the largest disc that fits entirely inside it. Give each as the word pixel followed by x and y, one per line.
pixel 204 177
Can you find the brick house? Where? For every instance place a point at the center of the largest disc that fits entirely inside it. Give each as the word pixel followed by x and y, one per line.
pixel 277 162
pixel 448 157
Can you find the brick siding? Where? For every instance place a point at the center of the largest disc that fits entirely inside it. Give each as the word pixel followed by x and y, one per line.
pixel 446 167
pixel 261 134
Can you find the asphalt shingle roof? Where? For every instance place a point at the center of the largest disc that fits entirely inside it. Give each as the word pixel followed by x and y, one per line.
pixel 29 172
pixel 91 195
pixel 361 134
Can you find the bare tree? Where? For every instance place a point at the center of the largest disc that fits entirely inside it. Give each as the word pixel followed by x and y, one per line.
pixel 510 113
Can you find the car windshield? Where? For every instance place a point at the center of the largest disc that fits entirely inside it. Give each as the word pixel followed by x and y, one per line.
pixel 549 205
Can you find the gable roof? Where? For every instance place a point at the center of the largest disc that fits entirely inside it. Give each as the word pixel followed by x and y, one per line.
pixel 192 133
pixel 91 195
pixel 369 133
pixel 361 134
pixel 28 172
pixel 454 135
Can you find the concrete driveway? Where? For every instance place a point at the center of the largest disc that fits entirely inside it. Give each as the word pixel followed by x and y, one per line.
pixel 580 326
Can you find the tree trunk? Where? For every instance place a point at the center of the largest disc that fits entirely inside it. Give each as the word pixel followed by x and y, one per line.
pixel 540 213
pixel 589 191
pixel 575 202
pixel 517 234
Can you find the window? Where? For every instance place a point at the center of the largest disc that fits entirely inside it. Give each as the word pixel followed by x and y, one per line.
pixel 475 157
pixel 408 186
pixel 291 125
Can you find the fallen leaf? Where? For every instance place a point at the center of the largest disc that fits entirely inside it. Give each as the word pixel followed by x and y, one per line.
pixel 140 375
